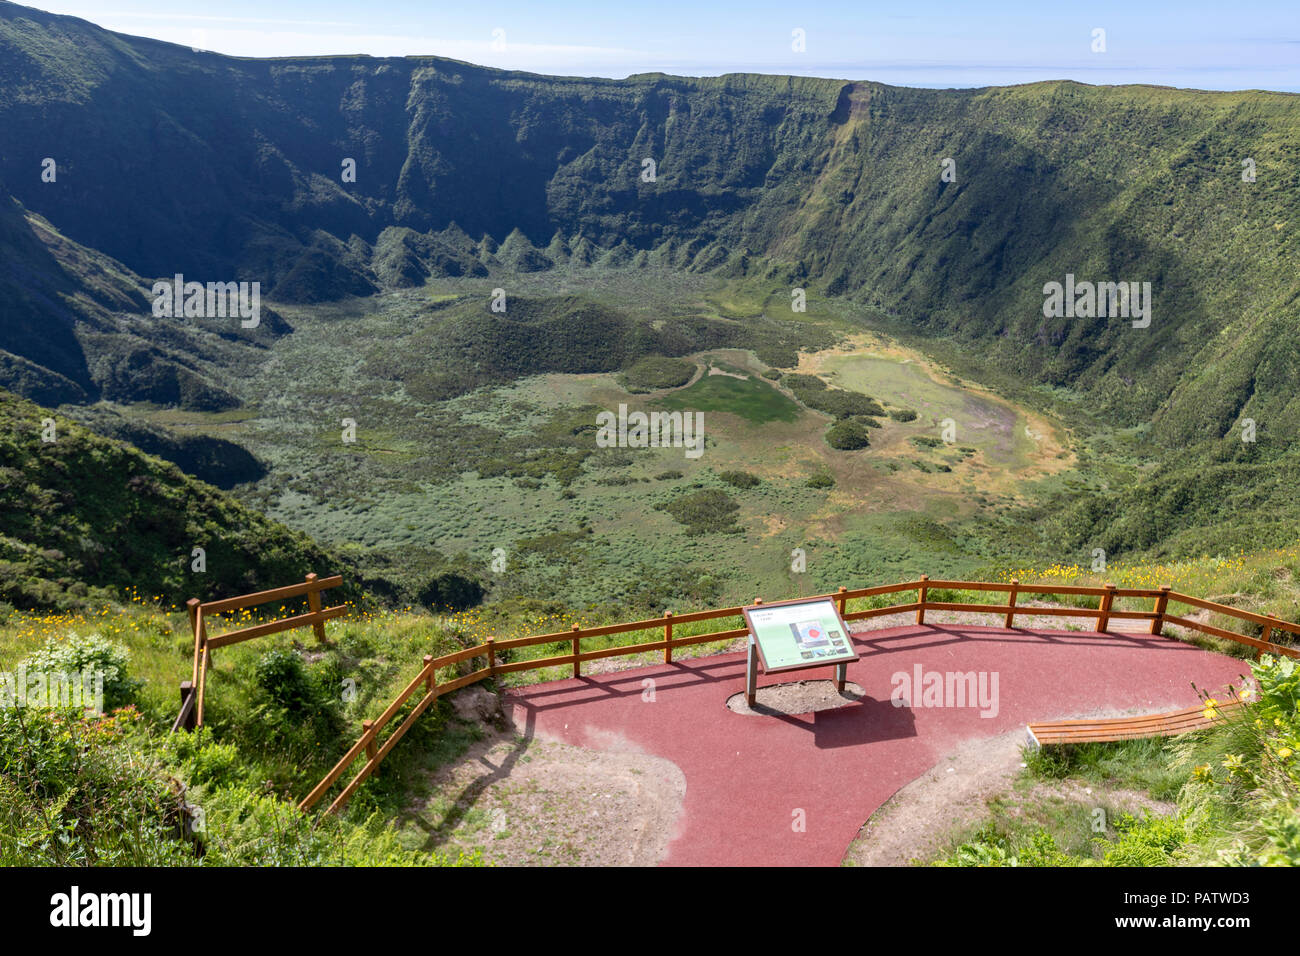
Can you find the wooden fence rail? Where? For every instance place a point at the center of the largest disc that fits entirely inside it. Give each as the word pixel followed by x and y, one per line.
pixel 193 691
pixel 1104 613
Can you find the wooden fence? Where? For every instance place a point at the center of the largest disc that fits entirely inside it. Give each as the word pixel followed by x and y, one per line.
pixel 426 685
pixel 194 689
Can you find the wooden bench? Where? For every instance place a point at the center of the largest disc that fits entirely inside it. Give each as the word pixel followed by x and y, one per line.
pixel 1104 729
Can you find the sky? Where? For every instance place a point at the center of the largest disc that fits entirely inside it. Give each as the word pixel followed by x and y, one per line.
pixel 1197 44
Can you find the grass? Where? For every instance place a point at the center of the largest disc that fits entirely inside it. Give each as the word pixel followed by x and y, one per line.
pixel 751 399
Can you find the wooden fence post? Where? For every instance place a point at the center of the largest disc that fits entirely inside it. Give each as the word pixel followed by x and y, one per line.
pixel 491 655
pixel 843 601
pixel 751 667
pixel 1265 635
pixel 371 750
pixel 1107 602
pixel 187 695
pixel 204 662
pixel 192 605
pixel 1011 602
pixel 1158 624
pixel 429 682
pixel 923 592
pixel 577 649
pixel 668 636
pixel 313 602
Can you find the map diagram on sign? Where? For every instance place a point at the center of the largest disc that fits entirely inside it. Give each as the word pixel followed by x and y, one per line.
pixel 810 634
pixel 798 634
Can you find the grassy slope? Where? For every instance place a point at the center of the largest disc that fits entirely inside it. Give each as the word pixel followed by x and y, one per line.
pixel 86 512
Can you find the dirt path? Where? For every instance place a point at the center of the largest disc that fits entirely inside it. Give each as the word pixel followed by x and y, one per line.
pixel 915 823
pixel 524 801
pixel 919 822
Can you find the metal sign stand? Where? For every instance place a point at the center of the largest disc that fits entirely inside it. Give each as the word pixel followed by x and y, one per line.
pixel 751 673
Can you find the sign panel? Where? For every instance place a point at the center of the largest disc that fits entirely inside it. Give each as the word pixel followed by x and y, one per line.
pixel 793 635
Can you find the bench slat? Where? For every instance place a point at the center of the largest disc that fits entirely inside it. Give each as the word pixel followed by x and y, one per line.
pixel 1104 730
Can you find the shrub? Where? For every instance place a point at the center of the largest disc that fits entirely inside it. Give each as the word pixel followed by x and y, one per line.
pixel 89 654
pixel 708 510
pixel 245 828
pixel 740 479
pixel 652 372
pixel 451 591
pixel 821 480
pixel 295 719
pixel 1149 841
pixel 1043 851
pixel 203 762
pixel 282 677
pixel 77 792
pixel 902 414
pixel 848 435
pixel 799 382
pixel 841 403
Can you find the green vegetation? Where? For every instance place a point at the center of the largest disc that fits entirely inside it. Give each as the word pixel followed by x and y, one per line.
pixel 751 399
pixel 814 393
pixel 282 709
pixel 89 654
pixel 705 512
pixel 1234 791
pixel 741 200
pixel 119 790
pixel 848 435
pixel 603 275
pixel 87 517
pixel 77 790
pixel 95 792
pixel 651 373
pixel 740 479
pixel 473 343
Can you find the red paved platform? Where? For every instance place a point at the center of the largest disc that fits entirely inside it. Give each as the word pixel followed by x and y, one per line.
pixel 747 774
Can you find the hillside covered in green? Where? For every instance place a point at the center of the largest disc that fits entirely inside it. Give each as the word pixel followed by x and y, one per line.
pixel 86 516
pixel 171 161
pixel 462 168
